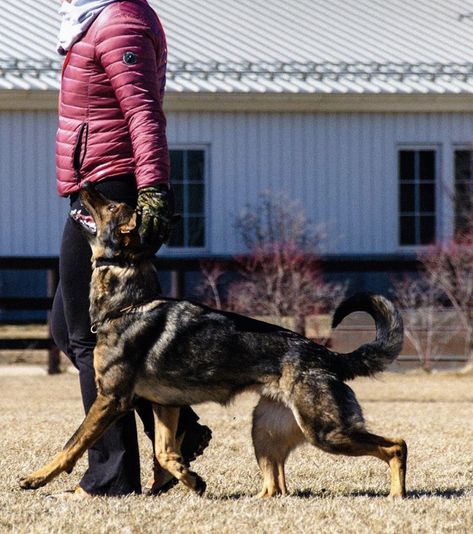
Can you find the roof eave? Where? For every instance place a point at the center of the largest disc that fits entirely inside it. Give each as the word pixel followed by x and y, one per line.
pixel 318 102
pixel 33 100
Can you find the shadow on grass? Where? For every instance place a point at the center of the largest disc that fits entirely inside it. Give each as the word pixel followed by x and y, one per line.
pixel 323 493
pixel 229 497
pixel 301 494
pixel 447 493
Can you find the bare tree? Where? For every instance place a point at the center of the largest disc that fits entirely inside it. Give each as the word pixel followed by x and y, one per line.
pixel 281 274
pixel 427 323
pixel 281 280
pixel 278 219
pixel 209 288
pixel 450 268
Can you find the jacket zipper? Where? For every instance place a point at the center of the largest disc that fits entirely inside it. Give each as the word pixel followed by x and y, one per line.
pixel 80 149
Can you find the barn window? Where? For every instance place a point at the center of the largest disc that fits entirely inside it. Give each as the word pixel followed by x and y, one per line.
pixel 463 197
pixel 417 196
pixel 188 181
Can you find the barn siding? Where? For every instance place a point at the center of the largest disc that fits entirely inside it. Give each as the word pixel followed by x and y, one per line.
pixel 341 166
pixel 31 214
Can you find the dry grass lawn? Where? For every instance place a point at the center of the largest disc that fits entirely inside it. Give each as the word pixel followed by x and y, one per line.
pixel 328 494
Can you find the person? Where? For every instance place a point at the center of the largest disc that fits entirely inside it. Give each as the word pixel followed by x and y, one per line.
pixel 112 132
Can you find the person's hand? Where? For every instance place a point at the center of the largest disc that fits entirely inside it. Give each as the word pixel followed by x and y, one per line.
pixel 156 208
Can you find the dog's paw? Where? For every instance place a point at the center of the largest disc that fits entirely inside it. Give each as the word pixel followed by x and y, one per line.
pixel 30 483
pixel 199 485
pixel 33 481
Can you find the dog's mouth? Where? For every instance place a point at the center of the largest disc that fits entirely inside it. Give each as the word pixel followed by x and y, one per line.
pixel 113 222
pixel 92 200
pixel 83 218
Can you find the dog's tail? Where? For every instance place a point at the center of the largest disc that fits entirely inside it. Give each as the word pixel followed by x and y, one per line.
pixel 373 357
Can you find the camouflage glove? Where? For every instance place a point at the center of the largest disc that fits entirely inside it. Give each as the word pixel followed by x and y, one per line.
pixel 156 207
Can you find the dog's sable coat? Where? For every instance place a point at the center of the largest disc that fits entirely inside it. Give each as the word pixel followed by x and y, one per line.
pixel 177 353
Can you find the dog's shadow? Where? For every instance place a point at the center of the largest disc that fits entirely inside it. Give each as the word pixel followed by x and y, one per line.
pixel 447 493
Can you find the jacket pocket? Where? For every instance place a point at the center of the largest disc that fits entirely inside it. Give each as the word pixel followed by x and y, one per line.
pixel 80 148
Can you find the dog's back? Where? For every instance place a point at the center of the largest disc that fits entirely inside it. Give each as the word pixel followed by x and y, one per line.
pixel 200 354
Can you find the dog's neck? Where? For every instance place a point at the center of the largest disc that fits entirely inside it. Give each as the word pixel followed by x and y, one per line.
pixel 115 286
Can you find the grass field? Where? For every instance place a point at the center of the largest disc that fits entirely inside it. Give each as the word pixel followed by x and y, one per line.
pixel 328 494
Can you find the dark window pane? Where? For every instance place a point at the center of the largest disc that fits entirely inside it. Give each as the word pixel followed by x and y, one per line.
pixel 196 198
pixel 187 178
pixel 407 230
pixel 427 197
pixel 177 235
pixel 463 190
pixel 195 164
pixel 407 199
pixel 463 206
pixel 427 229
pixel 196 232
pixel 178 196
pixel 177 165
pixel 427 165
pixel 463 165
pixel 406 165
pixel 464 194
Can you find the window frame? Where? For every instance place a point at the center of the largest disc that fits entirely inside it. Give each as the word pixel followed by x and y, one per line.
pixel 436 148
pixel 186 250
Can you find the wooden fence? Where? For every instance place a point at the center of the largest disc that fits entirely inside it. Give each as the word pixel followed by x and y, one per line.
pixel 177 267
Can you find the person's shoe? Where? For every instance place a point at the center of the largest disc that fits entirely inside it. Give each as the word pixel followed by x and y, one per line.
pixel 74 494
pixel 194 441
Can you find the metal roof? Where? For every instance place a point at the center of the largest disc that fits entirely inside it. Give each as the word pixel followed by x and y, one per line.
pixel 274 46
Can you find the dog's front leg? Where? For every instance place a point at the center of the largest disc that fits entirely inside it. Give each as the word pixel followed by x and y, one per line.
pixel 103 412
pixel 167 451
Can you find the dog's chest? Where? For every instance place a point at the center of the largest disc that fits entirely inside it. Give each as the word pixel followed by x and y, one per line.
pixel 161 393
pixel 155 391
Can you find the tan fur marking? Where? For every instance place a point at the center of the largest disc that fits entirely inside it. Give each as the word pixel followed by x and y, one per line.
pixel 167 451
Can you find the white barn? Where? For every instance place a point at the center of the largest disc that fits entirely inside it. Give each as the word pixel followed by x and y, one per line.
pixel 360 109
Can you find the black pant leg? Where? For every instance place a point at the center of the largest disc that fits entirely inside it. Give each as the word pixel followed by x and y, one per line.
pixel 114 467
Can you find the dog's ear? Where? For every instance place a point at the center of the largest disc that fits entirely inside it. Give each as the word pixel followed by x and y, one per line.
pixel 128 227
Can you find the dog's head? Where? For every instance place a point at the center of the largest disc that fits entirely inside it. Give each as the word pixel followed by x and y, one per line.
pixel 113 234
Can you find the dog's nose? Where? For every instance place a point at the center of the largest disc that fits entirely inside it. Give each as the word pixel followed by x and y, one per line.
pixel 87 186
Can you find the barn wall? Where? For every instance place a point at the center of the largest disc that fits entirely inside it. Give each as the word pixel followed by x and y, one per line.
pixel 341 166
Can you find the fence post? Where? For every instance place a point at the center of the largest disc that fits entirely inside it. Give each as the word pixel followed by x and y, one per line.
pixel 54 354
pixel 177 283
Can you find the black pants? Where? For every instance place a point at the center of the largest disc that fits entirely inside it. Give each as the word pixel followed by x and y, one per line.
pixel 114 466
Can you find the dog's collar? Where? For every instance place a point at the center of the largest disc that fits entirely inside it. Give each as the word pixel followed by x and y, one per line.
pixel 119 262
pixel 125 310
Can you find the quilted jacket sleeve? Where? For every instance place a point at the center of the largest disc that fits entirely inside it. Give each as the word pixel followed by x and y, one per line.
pixel 134 59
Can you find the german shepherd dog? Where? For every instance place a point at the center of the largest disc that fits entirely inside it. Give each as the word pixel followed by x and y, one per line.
pixel 177 353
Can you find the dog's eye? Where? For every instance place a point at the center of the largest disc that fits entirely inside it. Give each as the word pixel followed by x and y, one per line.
pixel 112 208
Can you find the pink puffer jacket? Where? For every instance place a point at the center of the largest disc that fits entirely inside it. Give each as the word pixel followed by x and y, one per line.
pixel 111 120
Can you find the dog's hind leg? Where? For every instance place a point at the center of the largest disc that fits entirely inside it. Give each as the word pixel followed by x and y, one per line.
pixel 275 433
pixel 167 452
pixel 103 412
pixel 334 424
